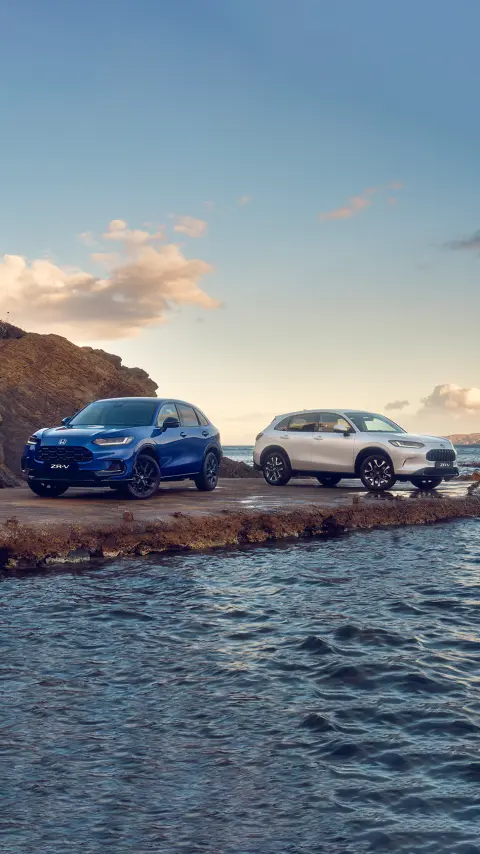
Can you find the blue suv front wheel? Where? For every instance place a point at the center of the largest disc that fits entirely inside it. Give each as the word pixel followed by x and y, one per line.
pixel 145 481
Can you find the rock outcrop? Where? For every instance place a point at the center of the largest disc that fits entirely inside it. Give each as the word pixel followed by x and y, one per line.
pixel 465 439
pixel 44 378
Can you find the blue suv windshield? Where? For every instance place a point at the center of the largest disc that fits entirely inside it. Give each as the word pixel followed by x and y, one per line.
pixel 116 413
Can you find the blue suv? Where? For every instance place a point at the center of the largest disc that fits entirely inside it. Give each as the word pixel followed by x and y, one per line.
pixel 127 443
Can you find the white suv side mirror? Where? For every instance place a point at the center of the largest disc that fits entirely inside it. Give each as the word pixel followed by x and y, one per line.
pixel 346 432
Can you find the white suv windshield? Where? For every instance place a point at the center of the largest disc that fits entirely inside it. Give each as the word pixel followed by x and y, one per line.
pixel 366 422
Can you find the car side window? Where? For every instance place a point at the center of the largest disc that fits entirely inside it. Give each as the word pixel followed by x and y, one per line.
pixel 168 410
pixel 328 421
pixel 202 418
pixel 304 423
pixel 187 415
pixel 283 425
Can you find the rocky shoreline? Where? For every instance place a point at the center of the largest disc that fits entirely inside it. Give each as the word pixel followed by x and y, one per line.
pixel 42 534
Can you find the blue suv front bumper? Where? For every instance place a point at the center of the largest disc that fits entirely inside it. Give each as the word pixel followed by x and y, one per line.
pixel 77 465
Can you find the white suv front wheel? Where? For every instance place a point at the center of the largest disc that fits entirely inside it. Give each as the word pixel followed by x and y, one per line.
pixel 376 473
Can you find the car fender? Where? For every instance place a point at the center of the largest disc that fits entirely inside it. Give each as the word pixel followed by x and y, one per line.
pixel 215 447
pixel 147 446
pixel 270 448
pixel 366 452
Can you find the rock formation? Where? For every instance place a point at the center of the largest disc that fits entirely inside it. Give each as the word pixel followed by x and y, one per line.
pixel 465 439
pixel 44 378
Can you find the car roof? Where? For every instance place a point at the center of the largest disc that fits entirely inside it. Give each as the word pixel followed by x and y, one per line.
pixel 157 400
pixel 340 410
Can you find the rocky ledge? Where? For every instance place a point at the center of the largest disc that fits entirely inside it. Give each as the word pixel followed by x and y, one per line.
pixel 39 533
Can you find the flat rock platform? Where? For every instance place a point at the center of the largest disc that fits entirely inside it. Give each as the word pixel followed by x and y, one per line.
pixel 85 525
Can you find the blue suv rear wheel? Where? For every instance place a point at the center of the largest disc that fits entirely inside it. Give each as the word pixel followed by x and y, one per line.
pixel 208 477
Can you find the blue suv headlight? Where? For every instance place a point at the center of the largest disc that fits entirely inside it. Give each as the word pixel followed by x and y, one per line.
pixel 113 441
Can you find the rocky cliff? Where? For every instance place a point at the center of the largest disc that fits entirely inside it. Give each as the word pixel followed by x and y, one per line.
pixel 44 378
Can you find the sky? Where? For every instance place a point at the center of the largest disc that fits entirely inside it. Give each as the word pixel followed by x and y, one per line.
pixel 269 205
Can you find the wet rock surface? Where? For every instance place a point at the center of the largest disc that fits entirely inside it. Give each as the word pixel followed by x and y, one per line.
pixel 40 532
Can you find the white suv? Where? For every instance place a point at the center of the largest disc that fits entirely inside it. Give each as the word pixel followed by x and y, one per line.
pixel 341 443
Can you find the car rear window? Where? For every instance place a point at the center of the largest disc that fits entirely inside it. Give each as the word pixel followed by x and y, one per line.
pixel 202 418
pixel 187 415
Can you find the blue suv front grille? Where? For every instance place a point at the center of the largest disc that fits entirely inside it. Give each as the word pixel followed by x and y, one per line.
pixel 65 454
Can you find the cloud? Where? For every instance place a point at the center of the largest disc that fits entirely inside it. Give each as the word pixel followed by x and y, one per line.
pixel 396 404
pixel 118 230
pixel 87 238
pixel 244 200
pixel 471 243
pixel 352 208
pixel 190 226
pixel 141 287
pixel 450 398
pixel 357 204
pixel 108 260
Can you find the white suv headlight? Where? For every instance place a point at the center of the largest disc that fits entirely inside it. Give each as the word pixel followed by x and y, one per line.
pixel 114 440
pixel 404 443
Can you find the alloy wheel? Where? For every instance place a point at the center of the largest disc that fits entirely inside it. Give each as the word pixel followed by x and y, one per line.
pixel 145 477
pixel 377 474
pixel 211 471
pixel 274 469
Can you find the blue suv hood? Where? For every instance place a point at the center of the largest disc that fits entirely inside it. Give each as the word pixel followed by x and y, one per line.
pixel 80 435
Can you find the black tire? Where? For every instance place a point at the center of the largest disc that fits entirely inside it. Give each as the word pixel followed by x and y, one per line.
pixel 328 479
pixel 207 480
pixel 276 468
pixel 47 490
pixel 426 482
pixel 145 481
pixel 376 473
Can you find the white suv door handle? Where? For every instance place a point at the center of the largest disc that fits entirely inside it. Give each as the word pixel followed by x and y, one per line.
pixel 318 438
pixel 284 436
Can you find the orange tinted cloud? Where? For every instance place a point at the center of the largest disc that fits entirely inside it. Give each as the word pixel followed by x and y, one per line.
pixel 357 204
pixel 139 289
pixel 352 208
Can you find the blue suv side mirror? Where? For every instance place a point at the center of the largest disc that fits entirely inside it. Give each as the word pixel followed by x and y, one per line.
pixel 170 423
pixel 66 421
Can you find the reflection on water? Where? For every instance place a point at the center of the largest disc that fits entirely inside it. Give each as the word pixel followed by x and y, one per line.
pixel 320 697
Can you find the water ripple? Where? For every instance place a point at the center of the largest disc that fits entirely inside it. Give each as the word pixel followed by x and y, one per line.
pixel 317 698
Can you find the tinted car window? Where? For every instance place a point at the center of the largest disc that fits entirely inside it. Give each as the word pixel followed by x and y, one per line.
pixel 116 413
pixel 305 423
pixel 202 418
pixel 168 410
pixel 283 425
pixel 328 421
pixel 187 415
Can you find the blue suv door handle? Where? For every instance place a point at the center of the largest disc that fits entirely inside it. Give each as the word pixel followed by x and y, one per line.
pixel 204 432
pixel 183 435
